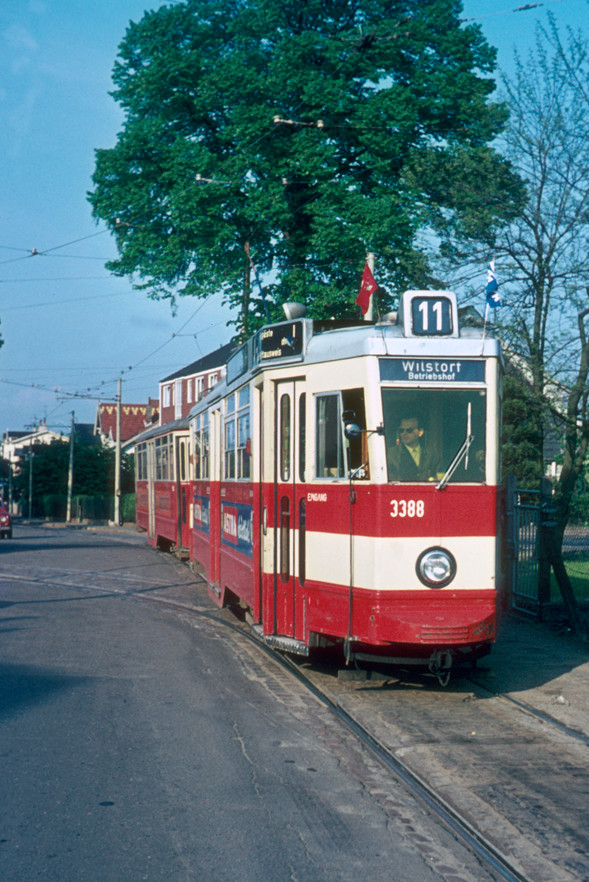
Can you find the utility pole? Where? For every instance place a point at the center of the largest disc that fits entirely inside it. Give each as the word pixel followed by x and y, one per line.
pixel 117 511
pixel 31 457
pixel 70 474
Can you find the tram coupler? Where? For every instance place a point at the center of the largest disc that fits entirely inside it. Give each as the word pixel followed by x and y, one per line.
pixel 440 665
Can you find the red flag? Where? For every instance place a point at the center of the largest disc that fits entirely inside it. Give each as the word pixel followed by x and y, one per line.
pixel 367 289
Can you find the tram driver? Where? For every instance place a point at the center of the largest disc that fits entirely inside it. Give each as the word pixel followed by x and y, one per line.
pixel 411 458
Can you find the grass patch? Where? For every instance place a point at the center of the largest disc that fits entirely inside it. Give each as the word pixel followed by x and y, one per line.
pixel 578 572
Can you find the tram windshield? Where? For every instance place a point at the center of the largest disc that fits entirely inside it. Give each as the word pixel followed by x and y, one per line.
pixel 425 429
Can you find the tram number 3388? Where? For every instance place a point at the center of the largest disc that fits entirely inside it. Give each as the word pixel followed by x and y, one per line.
pixel 407 508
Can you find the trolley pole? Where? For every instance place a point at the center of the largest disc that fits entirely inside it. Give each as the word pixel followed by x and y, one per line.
pixel 117 509
pixel 70 474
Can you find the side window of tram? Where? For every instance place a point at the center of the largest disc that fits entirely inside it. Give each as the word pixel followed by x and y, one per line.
pixel 357 448
pixel 141 462
pixel 302 437
pixel 164 462
pixel 182 460
pixel 330 460
pixel 243 433
pixel 201 447
pixel 285 430
pixel 237 435
pixel 229 437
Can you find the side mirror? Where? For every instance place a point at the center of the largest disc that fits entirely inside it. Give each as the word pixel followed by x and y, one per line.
pixel 353 430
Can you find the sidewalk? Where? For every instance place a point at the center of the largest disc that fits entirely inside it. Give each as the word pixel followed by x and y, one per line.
pixel 548 670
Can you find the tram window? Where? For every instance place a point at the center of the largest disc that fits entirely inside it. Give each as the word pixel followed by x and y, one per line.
pixel 141 462
pixel 434 424
pixel 329 437
pixel 158 459
pixel 302 435
pixel 164 466
pixel 182 460
pixel 201 447
pixel 229 437
pixel 285 437
pixel 171 472
pixel 243 446
pixel 230 448
pixel 237 435
pixel 357 448
pixel 243 433
pixel 333 459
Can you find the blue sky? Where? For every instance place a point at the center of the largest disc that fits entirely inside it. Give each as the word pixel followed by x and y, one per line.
pixel 67 324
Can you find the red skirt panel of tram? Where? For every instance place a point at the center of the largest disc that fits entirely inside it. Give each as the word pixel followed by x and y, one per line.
pixel 347 566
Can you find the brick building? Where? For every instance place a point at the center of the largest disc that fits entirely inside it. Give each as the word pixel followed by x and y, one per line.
pixel 181 390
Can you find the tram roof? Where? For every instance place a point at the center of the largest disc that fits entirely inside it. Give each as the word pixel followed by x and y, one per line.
pixel 316 342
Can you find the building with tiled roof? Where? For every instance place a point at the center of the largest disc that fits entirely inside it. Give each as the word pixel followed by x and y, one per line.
pixel 135 418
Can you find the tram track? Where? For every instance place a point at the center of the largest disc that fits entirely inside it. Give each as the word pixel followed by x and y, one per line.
pixel 497 863
pixel 459 825
pixel 489 856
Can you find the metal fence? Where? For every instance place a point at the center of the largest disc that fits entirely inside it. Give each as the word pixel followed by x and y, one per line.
pixel 530 518
pixel 523 544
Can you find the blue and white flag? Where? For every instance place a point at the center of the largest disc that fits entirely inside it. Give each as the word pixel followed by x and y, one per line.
pixel 492 290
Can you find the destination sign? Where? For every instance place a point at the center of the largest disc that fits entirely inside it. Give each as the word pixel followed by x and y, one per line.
pixel 280 341
pixel 237 364
pixel 432 370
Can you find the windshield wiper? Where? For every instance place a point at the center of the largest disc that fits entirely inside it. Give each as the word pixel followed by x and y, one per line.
pixel 462 453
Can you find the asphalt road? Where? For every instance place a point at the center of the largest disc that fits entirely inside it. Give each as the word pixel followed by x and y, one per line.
pixel 141 742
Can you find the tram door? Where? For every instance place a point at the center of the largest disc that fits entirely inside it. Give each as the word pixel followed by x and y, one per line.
pixel 182 491
pixel 289 496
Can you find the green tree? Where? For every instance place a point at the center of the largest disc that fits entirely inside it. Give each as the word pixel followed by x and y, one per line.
pixel 307 132
pixel 543 255
pixel 520 431
pixel 94 468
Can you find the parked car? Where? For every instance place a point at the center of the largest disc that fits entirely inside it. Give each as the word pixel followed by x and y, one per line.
pixel 5 523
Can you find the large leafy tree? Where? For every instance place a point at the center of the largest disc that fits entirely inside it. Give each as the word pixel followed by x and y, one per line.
pixel 543 257
pixel 305 133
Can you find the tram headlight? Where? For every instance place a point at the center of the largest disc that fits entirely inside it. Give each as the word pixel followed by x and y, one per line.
pixel 436 567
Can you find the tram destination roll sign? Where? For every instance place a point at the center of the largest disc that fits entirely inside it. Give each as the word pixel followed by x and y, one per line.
pixel 432 370
pixel 279 341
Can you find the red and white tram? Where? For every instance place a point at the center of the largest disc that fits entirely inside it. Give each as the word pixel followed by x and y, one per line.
pixel 307 510
pixel 163 486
